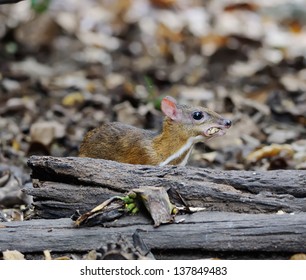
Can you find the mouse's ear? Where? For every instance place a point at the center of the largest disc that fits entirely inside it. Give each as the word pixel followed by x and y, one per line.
pixel 169 108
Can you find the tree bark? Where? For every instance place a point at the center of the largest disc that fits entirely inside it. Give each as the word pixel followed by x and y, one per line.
pixel 199 232
pixel 63 185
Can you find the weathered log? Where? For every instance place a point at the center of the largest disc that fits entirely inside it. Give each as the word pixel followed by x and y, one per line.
pixel 62 185
pixel 200 232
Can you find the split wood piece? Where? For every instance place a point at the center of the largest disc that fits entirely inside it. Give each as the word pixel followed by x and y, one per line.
pixel 200 232
pixel 63 185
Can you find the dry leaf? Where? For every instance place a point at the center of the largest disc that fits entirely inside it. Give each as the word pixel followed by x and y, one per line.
pixel 73 99
pixel 157 202
pixel 91 255
pixel 163 3
pixel 46 132
pixel 241 6
pixel 39 32
pixel 13 255
pixel 271 151
pixel 47 255
pixel 300 256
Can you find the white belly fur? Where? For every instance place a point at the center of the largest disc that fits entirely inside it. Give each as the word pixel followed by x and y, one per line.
pixel 187 147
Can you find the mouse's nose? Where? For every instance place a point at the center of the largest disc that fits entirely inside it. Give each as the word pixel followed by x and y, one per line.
pixel 227 123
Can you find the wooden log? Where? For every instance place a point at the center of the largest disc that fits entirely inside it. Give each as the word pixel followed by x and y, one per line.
pixel 202 231
pixel 62 185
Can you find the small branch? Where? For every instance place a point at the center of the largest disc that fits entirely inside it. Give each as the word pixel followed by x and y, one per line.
pixel 9 1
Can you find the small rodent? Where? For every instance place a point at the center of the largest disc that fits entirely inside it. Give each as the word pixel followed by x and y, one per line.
pixel 183 126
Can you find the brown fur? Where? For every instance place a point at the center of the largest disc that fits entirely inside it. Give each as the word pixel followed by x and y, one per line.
pixel 131 144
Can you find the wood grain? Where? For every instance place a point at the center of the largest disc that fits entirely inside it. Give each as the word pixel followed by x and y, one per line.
pixel 63 185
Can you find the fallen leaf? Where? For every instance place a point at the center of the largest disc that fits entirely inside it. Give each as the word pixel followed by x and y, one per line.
pixel 271 151
pixel 45 132
pixel 300 256
pixel 12 255
pixel 73 99
pixel 47 255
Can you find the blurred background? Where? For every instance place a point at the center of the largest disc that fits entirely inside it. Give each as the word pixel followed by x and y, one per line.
pixel 68 66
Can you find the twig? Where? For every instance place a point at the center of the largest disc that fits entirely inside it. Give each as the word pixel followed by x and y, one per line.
pixel 9 1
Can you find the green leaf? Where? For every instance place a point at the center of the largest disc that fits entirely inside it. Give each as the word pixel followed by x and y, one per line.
pixel 40 6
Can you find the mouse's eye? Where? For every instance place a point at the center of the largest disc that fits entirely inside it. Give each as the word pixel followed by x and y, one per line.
pixel 197 115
